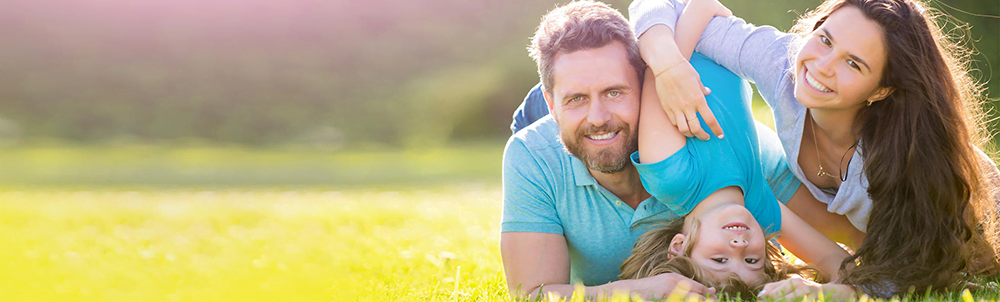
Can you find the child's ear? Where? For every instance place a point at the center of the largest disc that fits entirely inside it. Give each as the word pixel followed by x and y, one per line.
pixel 677 245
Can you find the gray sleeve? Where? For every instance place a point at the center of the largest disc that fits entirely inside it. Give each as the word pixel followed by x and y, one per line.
pixel 643 14
pixel 759 54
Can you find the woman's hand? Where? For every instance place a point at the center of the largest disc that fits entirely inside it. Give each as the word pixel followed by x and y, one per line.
pixel 682 96
pixel 796 287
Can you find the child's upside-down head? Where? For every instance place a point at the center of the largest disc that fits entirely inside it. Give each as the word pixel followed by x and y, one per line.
pixel 722 247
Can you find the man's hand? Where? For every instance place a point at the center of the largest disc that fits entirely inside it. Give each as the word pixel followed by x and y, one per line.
pixel 796 287
pixel 663 285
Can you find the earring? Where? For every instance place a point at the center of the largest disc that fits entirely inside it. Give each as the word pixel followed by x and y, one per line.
pixel 870 103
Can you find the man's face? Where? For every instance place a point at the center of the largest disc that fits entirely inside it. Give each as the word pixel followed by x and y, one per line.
pixel 595 101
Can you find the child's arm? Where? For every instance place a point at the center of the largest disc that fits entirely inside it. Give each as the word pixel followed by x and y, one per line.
pixel 693 21
pixel 810 245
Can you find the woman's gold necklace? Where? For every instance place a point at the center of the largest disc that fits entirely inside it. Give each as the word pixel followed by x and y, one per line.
pixel 819 160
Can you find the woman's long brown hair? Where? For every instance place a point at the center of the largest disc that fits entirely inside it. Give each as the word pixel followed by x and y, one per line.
pixel 933 217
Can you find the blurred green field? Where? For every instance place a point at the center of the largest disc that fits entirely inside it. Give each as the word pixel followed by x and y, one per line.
pixel 159 166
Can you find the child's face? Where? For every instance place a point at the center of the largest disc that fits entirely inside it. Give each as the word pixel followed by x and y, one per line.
pixel 729 240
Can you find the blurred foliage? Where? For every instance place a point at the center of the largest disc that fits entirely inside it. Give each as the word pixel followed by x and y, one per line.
pixel 316 72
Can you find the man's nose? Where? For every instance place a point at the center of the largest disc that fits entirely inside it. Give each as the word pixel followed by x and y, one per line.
pixel 598 113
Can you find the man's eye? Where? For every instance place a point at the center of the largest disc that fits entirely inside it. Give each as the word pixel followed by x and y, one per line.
pixel 751 260
pixel 575 99
pixel 853 64
pixel 720 260
pixel 614 94
pixel 824 40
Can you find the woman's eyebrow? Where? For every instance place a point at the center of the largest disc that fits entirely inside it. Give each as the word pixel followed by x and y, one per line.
pixel 853 57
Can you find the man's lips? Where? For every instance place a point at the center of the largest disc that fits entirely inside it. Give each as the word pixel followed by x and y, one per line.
pixel 602 137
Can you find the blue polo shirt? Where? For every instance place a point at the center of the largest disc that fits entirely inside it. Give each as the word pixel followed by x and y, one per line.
pixel 547 190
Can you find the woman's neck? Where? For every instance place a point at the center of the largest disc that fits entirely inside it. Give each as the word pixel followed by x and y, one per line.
pixel 836 126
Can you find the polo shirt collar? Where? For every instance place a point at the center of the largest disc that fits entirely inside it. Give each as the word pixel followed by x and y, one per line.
pixel 580 173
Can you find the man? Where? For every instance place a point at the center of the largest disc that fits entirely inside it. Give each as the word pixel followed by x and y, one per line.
pixel 573 202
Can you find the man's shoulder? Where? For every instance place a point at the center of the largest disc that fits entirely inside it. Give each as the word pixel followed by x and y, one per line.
pixel 536 150
pixel 540 139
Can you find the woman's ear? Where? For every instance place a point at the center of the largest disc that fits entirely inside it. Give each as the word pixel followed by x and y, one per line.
pixel 880 94
pixel 677 245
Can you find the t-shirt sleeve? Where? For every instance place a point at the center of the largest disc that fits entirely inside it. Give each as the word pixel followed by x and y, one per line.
pixel 531 109
pixel 673 180
pixel 774 164
pixel 528 202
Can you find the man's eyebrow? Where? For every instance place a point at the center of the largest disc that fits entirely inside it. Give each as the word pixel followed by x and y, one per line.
pixel 853 57
pixel 617 87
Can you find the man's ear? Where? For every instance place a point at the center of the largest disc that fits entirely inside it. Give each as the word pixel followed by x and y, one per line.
pixel 549 100
pixel 677 245
pixel 880 94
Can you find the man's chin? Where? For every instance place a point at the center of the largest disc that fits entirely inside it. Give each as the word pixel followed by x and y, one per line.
pixel 606 161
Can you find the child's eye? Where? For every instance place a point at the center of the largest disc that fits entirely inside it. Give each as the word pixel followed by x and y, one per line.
pixel 720 260
pixel 751 260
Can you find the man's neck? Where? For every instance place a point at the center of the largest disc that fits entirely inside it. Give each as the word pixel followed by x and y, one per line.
pixel 625 184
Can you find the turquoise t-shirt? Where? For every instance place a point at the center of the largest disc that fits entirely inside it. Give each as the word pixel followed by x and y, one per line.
pixel 700 168
pixel 547 190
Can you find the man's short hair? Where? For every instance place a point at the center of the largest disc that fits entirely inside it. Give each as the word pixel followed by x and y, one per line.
pixel 581 25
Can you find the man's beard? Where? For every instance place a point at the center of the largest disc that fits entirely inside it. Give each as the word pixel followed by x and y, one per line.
pixel 610 159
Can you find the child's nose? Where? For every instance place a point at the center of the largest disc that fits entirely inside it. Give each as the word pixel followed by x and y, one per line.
pixel 738 242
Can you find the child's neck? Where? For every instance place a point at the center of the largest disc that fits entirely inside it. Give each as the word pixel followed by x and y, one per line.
pixel 727 195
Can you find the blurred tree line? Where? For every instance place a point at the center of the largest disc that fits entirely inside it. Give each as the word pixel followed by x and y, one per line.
pixel 318 72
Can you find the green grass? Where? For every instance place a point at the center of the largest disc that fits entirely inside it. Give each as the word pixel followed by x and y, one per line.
pixel 437 243
pixel 176 245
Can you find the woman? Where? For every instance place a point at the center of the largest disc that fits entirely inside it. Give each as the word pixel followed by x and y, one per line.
pixel 879 123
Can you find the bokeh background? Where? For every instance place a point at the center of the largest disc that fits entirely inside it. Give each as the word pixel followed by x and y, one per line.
pixel 342 75
pixel 314 150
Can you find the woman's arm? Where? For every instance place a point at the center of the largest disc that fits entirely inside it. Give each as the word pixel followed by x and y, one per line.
pixel 810 245
pixel 692 23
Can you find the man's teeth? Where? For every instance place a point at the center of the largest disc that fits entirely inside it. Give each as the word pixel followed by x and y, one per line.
pixel 815 84
pixel 601 137
pixel 736 227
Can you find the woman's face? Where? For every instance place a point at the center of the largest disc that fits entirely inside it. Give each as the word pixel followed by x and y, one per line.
pixel 841 63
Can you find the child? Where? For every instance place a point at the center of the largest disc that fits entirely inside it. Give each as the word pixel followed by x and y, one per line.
pixel 727 204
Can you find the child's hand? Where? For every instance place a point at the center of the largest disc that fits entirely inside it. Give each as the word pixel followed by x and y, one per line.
pixel 796 287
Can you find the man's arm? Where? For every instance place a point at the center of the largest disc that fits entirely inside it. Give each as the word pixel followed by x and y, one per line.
pixel 538 264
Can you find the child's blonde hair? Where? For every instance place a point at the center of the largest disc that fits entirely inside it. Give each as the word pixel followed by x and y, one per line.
pixel 652 256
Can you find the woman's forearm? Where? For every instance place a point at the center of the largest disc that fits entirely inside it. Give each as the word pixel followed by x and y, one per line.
pixel 658 48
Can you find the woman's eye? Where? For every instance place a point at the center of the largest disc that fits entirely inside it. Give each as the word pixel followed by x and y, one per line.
pixel 853 64
pixel 614 94
pixel 720 260
pixel 751 260
pixel 824 40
